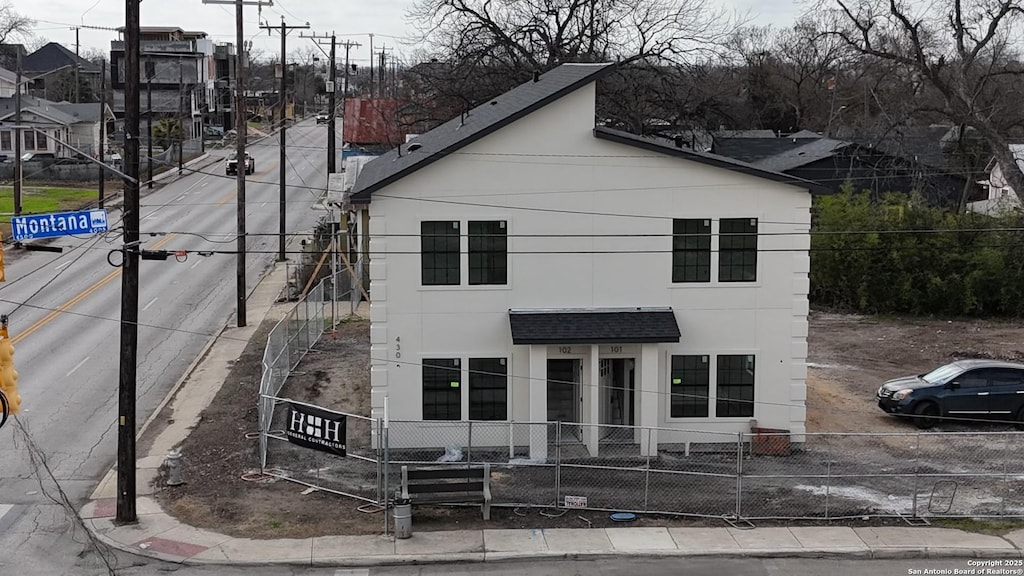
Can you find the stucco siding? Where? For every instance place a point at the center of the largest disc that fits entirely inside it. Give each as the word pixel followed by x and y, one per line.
pixel 589 224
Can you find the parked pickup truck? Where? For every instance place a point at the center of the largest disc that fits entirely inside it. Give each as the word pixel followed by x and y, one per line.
pixel 232 164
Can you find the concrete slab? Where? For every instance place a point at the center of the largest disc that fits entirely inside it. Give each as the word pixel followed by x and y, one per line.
pixel 828 538
pixel 1017 537
pixel 148 526
pixel 196 536
pixel 639 539
pixel 699 540
pixel 107 488
pixel 102 508
pixel 327 547
pixel 526 540
pixel 903 537
pixel 246 551
pixel 765 539
pixel 450 542
pixel 144 505
pixel 573 541
pixel 168 549
pixel 144 478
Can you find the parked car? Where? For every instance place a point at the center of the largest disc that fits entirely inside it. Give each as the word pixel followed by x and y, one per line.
pixel 966 389
pixel 322 118
pixel 232 164
pixel 45 157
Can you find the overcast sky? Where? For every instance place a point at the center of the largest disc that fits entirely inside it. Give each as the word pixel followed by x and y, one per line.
pixel 350 19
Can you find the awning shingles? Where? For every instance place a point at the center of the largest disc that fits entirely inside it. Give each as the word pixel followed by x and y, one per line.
pixel 594 326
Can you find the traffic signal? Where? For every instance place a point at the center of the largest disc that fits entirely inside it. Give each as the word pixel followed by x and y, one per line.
pixel 8 375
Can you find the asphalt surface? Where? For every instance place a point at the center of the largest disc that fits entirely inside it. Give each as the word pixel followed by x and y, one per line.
pixel 67 333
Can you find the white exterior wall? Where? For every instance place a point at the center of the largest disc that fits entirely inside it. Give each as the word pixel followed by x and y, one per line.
pixel 550 160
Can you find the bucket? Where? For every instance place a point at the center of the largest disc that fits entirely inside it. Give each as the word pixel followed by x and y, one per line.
pixel 403 519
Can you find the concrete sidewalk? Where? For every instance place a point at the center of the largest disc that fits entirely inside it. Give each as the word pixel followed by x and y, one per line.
pixel 158 535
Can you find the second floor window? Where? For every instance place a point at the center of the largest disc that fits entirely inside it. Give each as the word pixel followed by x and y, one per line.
pixel 737 250
pixel 439 247
pixel 691 250
pixel 488 253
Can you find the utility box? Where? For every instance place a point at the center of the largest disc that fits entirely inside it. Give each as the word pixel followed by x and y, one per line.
pixel 769 442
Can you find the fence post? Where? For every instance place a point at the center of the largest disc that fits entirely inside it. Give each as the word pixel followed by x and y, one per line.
pixel 917 471
pixel 647 472
pixel 739 475
pixel 387 472
pixel 469 444
pixel 1006 490
pixel 558 460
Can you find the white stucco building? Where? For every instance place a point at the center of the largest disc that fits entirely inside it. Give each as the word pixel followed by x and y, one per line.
pixel 526 266
pixel 1001 196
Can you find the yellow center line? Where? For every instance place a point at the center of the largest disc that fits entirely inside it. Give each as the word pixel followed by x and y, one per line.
pixel 81 296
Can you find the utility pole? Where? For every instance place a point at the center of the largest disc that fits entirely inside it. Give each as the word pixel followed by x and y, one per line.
pixel 332 102
pixel 103 128
pixel 17 136
pixel 371 65
pixel 126 512
pixel 181 116
pixel 283 30
pixel 150 70
pixel 344 95
pixel 241 61
pixel 77 84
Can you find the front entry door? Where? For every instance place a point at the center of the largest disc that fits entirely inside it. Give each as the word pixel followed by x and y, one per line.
pixel 564 391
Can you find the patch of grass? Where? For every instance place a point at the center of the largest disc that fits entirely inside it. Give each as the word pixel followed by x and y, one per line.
pixel 43 200
pixel 994 526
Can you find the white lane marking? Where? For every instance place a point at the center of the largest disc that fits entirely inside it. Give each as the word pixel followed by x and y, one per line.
pixel 77 366
pixel 263 205
pixel 62 266
pixel 352 572
pixel 180 197
pixel 150 304
pixel 196 264
pixel 204 184
pixel 4 509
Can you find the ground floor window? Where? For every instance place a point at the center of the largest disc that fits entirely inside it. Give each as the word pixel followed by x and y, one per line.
pixel 488 389
pixel 689 387
pixel 442 392
pixel 735 386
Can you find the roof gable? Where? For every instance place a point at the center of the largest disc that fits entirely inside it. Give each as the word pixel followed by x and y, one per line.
pixel 52 56
pixel 467 128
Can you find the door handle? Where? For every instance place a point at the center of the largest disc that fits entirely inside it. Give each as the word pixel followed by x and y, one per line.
pixel 1020 391
pixel 982 393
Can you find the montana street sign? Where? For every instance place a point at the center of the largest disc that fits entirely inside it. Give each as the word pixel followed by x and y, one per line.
pixel 58 224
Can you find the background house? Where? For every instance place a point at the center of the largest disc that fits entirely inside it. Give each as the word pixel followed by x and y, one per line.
pixel 61 86
pixel 76 124
pixel 999 195
pixel 527 267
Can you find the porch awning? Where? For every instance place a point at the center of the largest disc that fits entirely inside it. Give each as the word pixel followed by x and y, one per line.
pixel 593 326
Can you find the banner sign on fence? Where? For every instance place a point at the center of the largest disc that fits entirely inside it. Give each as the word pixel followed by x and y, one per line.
pixel 575 501
pixel 316 428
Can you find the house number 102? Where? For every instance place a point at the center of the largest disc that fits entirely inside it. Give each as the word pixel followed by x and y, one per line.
pixel 565 349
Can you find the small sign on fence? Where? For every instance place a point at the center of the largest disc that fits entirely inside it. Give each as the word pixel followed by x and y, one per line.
pixel 575 501
pixel 316 428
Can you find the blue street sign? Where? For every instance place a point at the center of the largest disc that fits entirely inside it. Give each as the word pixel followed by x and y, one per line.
pixel 58 224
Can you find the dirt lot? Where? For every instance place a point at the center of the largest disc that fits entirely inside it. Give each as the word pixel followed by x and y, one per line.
pixel 849 356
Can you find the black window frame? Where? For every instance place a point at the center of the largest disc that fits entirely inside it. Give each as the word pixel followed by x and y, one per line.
pixel 6 140
pixel 440 253
pixel 691 250
pixel 734 386
pixel 488 388
pixel 441 400
pixel 488 252
pixel 737 250
pixel 690 397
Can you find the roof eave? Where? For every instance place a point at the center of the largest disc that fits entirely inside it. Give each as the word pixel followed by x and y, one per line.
pixel 363 196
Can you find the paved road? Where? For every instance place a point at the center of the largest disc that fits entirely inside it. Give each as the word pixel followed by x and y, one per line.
pixel 632 566
pixel 68 361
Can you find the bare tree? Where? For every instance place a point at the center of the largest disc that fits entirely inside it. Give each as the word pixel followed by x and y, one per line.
pixel 35 43
pixel 13 25
pixel 962 50
pixel 540 34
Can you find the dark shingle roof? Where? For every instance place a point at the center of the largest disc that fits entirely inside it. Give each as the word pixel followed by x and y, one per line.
pixel 479 122
pixel 593 326
pixel 53 56
pixel 802 154
pixel 754 149
pixel 705 158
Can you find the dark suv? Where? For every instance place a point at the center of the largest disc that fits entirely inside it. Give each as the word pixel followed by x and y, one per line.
pixel 966 389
